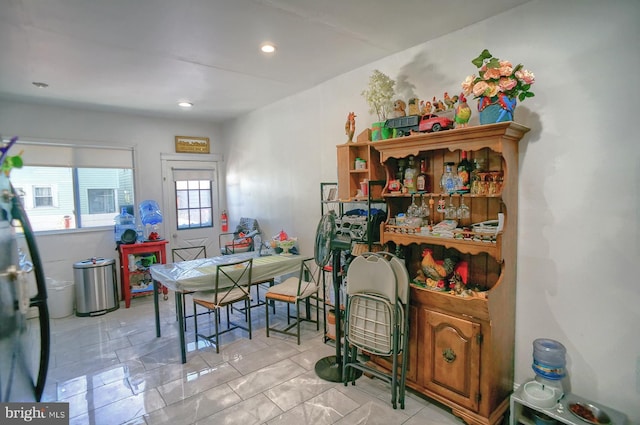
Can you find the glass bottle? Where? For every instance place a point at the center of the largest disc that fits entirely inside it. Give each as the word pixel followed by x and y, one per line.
pixel 448 182
pixel 410 175
pixel 465 168
pixel 422 181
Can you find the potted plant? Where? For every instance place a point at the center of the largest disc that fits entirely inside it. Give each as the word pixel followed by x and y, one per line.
pixel 497 87
pixel 378 95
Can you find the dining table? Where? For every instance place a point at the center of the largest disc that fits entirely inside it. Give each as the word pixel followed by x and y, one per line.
pixel 195 275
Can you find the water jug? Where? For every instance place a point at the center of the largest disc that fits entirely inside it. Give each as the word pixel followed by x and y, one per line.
pixel 150 213
pixel 549 359
pixel 123 221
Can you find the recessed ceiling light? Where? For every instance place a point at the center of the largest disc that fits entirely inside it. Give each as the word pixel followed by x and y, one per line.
pixel 185 104
pixel 268 48
pixel 40 85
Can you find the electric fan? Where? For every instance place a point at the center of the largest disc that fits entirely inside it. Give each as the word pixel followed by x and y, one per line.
pixel 329 245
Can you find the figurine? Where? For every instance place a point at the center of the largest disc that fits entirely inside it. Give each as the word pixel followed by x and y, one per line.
pixel 398 109
pixel 462 113
pixel 350 126
pixel 425 107
pixel 414 107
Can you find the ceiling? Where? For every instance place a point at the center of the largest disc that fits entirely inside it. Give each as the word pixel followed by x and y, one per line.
pixel 144 56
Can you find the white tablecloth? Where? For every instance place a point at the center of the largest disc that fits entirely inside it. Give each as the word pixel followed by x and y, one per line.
pixel 196 275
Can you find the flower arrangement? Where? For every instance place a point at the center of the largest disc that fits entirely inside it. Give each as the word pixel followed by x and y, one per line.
pixel 496 77
pixel 379 94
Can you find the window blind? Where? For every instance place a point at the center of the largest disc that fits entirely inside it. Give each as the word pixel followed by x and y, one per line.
pixel 74 156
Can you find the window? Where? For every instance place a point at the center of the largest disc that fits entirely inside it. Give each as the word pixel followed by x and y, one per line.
pixel 193 199
pixel 101 201
pixel 66 187
pixel 42 197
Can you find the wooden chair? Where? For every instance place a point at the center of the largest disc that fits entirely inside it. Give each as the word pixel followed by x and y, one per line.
pixel 186 254
pixel 296 290
pixel 232 283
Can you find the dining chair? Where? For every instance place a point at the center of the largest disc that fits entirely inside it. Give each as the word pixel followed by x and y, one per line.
pixel 231 285
pixel 295 291
pixel 186 254
pixel 246 237
pixel 377 319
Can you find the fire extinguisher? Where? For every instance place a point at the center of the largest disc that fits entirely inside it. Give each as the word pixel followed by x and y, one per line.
pixel 224 221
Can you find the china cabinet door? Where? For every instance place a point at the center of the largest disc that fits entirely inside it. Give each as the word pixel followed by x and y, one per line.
pixel 452 368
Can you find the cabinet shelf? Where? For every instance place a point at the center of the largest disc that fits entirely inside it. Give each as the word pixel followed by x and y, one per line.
pixel 464 246
pixel 438 195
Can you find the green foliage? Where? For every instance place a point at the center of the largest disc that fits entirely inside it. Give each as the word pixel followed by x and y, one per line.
pixel 379 94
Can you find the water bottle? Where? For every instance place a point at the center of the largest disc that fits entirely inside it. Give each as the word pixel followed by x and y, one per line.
pixel 123 221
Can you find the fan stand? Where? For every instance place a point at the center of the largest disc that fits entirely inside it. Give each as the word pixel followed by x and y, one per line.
pixel 330 368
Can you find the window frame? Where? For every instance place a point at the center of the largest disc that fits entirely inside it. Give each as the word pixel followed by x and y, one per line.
pixel 77 155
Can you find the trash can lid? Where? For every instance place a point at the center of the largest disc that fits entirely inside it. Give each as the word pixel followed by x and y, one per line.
pixel 93 262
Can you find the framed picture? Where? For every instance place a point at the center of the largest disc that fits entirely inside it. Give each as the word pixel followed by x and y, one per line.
pixel 190 144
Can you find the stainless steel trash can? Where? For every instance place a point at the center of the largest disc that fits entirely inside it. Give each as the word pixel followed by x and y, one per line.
pixel 96 286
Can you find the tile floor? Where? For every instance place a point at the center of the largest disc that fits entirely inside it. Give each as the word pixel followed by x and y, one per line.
pixel 113 370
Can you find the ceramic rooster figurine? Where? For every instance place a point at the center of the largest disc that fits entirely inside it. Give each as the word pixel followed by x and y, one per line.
pixel 462 112
pixel 436 270
pixel 350 126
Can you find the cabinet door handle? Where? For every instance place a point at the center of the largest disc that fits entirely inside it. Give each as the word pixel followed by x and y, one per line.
pixel 449 355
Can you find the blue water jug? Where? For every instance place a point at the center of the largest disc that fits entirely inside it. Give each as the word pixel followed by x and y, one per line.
pixel 150 213
pixel 123 221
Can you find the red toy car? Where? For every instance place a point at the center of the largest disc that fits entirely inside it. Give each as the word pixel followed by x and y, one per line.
pixel 431 122
pixel 425 123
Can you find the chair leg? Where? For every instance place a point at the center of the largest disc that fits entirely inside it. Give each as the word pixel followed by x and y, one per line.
pixel 247 303
pixel 266 305
pixel 217 312
pixel 195 321
pixel 298 320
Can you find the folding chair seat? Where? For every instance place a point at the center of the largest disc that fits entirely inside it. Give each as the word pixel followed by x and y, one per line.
pixel 232 283
pixel 296 291
pixel 377 319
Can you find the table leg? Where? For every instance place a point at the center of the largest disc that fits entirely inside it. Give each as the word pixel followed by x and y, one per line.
pixel 156 306
pixel 183 352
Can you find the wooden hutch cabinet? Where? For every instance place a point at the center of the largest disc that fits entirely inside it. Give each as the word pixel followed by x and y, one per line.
pixel 351 173
pixel 461 348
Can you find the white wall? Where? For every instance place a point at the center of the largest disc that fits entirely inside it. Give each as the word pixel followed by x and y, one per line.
pixel 150 137
pixel 579 173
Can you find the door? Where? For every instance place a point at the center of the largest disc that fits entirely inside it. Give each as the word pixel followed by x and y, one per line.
pixel 191 203
pixel 453 368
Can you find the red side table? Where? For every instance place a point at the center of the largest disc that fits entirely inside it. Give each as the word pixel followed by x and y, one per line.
pixel 137 281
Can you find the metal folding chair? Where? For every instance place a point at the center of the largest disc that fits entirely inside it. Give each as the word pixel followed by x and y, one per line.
pixel 377 319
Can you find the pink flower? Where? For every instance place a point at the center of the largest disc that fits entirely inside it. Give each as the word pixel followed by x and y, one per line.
pixel 506 69
pixel 525 76
pixel 492 74
pixel 507 83
pixel 480 88
pixel 467 84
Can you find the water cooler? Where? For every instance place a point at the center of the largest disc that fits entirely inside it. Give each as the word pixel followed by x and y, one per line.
pixel 549 363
